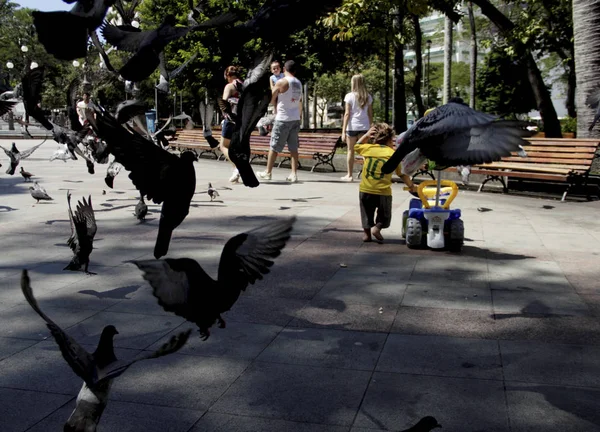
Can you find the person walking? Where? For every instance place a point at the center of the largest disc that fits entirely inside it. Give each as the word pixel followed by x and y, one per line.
pixel 358 117
pixel 287 97
pixel 228 105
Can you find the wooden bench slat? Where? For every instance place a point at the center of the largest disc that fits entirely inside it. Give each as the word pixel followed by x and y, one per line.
pixel 564 149
pixel 546 160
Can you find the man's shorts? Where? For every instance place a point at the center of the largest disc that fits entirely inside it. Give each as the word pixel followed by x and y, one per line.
pixel 285 132
pixel 355 133
pixel 228 127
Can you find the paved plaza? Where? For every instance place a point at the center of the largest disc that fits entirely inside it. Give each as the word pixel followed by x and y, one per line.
pixel 340 336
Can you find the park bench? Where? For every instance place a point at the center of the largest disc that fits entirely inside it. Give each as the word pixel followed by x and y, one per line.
pixel 556 160
pixel 313 145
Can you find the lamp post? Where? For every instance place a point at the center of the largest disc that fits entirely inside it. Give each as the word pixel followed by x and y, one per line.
pixel 428 42
pixel 11 119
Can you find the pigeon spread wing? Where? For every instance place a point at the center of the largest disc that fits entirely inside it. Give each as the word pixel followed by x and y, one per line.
pixel 129 41
pixel 72 241
pixel 32 95
pixel 248 256
pixel 26 153
pixel 170 283
pixel 78 358
pixel 116 368
pixel 6 106
pixel 148 164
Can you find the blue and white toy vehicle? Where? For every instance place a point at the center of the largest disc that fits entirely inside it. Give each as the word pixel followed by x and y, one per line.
pixel 430 222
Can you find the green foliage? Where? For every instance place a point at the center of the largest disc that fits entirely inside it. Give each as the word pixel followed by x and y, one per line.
pixel 569 124
pixel 502 84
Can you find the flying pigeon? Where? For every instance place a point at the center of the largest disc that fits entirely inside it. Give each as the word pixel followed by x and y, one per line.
pixel 26 175
pixel 39 194
pixel 62 153
pixel 128 109
pixel 65 34
pixel 454 134
pixel 141 209
pixel 147 45
pixel 593 101
pixel 83 230
pixel 252 105
pixel 111 172
pixel 184 288
pixel 159 175
pixel 206 114
pixel 160 136
pixel 166 76
pixel 97 369
pixel 426 424
pixel 16 156
pixel 212 192
pixel 6 106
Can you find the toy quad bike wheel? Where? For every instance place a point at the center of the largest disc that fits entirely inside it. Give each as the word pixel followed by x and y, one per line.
pixel 456 235
pixel 414 233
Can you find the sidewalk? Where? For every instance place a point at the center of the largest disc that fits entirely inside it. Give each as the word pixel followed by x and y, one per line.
pixel 340 336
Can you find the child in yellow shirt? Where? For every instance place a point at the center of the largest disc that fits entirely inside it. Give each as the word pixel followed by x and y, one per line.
pixel 376 187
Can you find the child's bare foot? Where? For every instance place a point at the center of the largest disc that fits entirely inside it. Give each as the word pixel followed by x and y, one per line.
pixel 376 231
pixel 367 235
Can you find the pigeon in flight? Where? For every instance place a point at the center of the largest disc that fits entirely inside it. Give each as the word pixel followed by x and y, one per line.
pixel 252 105
pixel 593 101
pixel 455 134
pixel 97 369
pixel 83 230
pixel 141 209
pixel 6 106
pixel 184 288
pixel 65 34
pixel 426 424
pixel 111 172
pixel 212 192
pixel 159 175
pixel 62 153
pixel 147 45
pixel 128 109
pixel 39 193
pixel 166 76
pixel 26 175
pixel 16 156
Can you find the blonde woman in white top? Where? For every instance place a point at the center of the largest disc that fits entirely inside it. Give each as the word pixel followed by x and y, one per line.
pixel 358 118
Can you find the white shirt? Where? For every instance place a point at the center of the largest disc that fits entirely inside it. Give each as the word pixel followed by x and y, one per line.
pixel 82 107
pixel 288 103
pixel 359 117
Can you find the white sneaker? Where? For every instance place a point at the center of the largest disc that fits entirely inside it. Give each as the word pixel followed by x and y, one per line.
pixel 235 177
pixel 347 178
pixel 293 178
pixel 263 175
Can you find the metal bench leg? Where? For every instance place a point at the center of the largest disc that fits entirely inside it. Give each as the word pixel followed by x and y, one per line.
pixel 564 197
pixel 494 178
pixel 323 160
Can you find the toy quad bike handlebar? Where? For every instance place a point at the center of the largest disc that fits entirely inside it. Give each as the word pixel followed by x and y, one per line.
pixel 447 187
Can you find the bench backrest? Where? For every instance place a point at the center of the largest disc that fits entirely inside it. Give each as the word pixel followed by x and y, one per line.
pixel 578 153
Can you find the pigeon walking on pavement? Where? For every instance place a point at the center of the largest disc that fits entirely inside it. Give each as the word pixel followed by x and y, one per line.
pixel 159 175
pixel 212 192
pixel 83 231
pixel 184 288
pixel 455 134
pixel 97 369
pixel 39 194
pixel 141 209
pixel 26 175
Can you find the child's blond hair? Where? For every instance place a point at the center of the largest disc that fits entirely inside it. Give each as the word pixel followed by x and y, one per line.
pixel 383 133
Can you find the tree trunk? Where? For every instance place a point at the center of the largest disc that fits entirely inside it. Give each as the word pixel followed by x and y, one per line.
pixel 447 88
pixel 419 65
pixel 571 88
pixel 400 118
pixel 540 91
pixel 315 105
pixel 586 19
pixel 386 103
pixel 473 64
pixel 305 118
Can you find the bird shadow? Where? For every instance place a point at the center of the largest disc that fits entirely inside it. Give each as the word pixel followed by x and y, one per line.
pixel 342 230
pixel 206 205
pixel 113 208
pixel 73 181
pixel 52 221
pixel 6 209
pixel 122 199
pixel 117 293
pixel 298 199
pixel 547 207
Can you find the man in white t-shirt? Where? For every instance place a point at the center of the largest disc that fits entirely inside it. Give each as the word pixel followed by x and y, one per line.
pixel 287 97
pixel 83 106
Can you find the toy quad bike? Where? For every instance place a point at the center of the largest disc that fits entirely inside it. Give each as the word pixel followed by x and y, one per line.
pixel 430 222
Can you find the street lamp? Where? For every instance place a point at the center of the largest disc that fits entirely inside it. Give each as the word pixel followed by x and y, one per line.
pixel 33 65
pixel 10 65
pixel 24 48
pixel 75 63
pixel 428 42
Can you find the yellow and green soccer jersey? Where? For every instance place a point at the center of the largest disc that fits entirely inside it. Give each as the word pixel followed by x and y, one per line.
pixel 373 180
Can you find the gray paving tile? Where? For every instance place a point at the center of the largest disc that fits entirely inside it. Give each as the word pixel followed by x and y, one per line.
pixel 10 346
pixel 363 291
pixel 534 302
pixel 398 401
pixel 448 296
pixel 128 417
pixel 442 356
pixel 262 310
pixel 543 363
pixel 325 347
pixel 20 409
pixel 336 314
pixel 179 381
pixel 237 340
pixel 539 408
pixel 296 393
pixel 213 422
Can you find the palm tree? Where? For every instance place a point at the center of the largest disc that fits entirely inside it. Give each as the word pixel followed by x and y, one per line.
pixel 473 63
pixel 586 18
